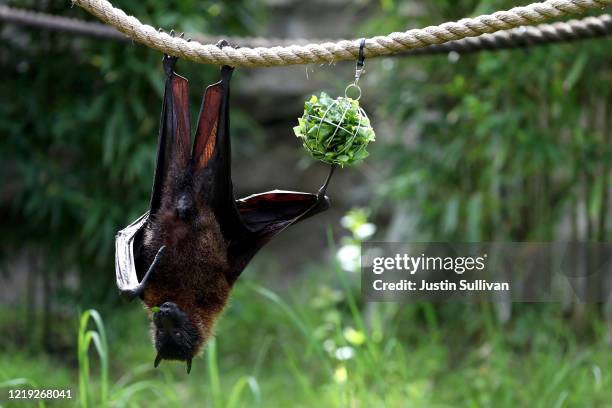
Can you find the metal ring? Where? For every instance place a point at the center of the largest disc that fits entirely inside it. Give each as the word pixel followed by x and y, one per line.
pixel 346 90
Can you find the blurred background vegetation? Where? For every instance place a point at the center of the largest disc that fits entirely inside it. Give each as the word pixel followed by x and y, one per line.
pixel 505 146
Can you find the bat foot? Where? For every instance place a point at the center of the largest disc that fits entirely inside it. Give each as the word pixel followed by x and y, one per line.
pixel 169 63
pixel 226 70
pixel 225 43
pixel 168 60
pixel 181 36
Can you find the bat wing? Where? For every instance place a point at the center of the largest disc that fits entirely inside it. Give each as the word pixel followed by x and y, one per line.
pixel 211 157
pixel 265 215
pixel 126 241
pixel 249 223
pixel 174 141
pixel 173 145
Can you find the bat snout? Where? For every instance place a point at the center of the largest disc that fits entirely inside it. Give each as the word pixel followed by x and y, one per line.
pixel 168 306
pixel 168 316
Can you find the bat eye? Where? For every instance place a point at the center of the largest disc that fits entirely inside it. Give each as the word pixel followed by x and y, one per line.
pixel 177 334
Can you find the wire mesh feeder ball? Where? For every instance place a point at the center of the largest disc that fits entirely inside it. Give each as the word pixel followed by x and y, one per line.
pixel 335 131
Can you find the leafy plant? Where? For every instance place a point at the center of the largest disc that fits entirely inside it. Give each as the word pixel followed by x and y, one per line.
pixel 85 338
pixel 335 131
pixel 127 390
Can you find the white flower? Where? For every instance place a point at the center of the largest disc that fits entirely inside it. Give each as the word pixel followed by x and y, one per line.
pixel 365 231
pixel 346 222
pixel 349 257
pixel 345 353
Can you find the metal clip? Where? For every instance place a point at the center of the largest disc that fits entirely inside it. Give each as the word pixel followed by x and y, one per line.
pixel 359 70
pixel 359 67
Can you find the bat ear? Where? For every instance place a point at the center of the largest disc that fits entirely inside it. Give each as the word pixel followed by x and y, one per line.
pixel 188 366
pixel 158 360
pixel 208 125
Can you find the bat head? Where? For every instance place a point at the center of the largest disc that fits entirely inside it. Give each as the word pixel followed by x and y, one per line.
pixel 175 336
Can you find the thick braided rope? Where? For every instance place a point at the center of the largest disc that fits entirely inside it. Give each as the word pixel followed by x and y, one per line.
pixel 588 27
pixel 572 30
pixel 53 22
pixel 334 51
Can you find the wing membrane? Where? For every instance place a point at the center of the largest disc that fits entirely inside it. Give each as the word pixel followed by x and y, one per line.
pixel 125 270
pixel 173 152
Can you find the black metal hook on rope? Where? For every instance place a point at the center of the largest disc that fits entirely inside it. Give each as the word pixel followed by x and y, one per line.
pixel 360 60
pixel 359 70
pixel 361 57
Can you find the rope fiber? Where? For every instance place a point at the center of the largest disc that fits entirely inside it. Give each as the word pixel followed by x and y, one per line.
pixel 56 23
pixel 524 36
pixel 330 52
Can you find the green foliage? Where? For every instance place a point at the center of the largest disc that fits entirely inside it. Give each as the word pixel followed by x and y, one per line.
pixel 79 124
pixel 312 348
pixel 85 338
pixel 335 131
pixel 510 145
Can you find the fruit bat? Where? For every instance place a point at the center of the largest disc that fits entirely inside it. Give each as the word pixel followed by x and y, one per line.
pixel 183 256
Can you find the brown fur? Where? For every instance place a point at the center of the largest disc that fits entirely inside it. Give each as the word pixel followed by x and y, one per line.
pixel 192 272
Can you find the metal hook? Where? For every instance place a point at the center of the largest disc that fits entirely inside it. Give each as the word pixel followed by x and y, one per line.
pixel 359 70
pixel 359 67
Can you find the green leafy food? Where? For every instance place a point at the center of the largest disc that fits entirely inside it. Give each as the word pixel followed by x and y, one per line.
pixel 155 309
pixel 335 131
